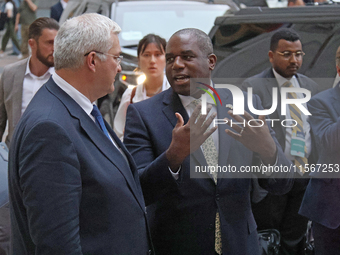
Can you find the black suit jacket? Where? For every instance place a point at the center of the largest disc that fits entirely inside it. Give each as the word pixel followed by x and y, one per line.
pixel 56 11
pixel 71 189
pixel 182 213
pixel 263 84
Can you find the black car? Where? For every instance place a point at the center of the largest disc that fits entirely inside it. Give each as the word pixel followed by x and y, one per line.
pixel 241 41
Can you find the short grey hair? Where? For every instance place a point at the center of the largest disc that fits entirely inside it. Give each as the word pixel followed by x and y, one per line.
pixel 80 35
pixel 203 40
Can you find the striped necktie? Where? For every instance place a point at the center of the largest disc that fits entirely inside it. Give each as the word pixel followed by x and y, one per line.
pixel 295 114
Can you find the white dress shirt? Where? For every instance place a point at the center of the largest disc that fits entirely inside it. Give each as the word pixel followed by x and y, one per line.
pixel 32 84
pixel 120 118
pixel 63 4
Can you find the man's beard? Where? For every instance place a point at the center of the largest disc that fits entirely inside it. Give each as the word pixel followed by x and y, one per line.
pixel 43 59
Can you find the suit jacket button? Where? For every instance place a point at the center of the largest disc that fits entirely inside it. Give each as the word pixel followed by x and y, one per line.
pixel 150 252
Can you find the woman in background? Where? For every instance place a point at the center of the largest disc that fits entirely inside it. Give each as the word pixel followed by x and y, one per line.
pixel 151 61
pixel 9 26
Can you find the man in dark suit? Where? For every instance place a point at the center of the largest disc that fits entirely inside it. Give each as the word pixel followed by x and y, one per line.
pixel 57 9
pixel 74 188
pixel 281 212
pixel 188 213
pixel 18 84
pixel 321 202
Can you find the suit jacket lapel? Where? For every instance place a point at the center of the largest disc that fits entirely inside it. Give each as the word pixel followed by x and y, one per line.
pixel 18 81
pixel 111 152
pixel 272 83
pixel 336 96
pixel 225 141
pixel 99 139
pixel 130 164
pixel 303 83
pixel 172 104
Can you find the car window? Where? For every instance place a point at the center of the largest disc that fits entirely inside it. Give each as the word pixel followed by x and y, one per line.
pixel 164 20
pixel 242 49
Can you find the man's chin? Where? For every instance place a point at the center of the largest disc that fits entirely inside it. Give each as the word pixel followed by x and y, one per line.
pixel 197 93
pixel 48 61
pixel 112 88
pixel 183 92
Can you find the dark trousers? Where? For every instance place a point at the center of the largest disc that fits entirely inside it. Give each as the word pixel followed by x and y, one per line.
pixel 326 240
pixel 281 213
pixel 9 34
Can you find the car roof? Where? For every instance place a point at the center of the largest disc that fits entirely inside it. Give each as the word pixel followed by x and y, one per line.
pixel 307 14
pixel 167 2
pixel 241 41
pixel 78 7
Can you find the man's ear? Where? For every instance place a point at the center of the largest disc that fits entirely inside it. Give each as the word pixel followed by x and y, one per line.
pixel 271 55
pixel 212 61
pixel 32 43
pixel 91 61
pixel 338 70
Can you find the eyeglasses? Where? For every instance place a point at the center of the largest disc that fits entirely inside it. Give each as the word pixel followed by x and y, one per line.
pixel 118 59
pixel 288 54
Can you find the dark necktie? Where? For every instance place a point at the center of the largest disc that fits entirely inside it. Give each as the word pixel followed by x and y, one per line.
pixel 99 120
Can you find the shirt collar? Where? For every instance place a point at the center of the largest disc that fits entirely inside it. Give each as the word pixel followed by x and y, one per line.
pixel 186 100
pixel 49 72
pixel 82 100
pixel 281 80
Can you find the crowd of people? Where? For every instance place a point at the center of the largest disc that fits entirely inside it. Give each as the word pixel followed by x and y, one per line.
pixel 79 186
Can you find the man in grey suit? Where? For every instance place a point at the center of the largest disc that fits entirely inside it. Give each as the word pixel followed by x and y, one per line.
pixel 281 212
pixel 21 80
pixel 57 9
pixel 18 84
